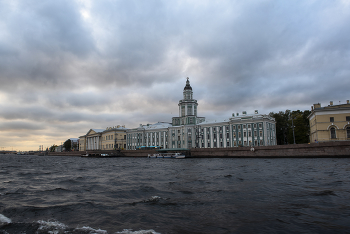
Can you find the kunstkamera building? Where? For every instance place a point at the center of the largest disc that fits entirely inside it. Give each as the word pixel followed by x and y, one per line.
pixel 188 130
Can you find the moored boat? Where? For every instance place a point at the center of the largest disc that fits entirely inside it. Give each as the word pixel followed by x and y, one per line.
pixel 166 155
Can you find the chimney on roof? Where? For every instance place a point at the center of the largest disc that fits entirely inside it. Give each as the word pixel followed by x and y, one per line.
pixel 331 103
pixel 347 102
pixel 317 105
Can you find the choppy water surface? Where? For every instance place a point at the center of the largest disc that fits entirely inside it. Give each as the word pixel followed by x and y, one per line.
pixel 140 195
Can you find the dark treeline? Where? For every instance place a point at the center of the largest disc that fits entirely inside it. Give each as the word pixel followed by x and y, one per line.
pixel 284 127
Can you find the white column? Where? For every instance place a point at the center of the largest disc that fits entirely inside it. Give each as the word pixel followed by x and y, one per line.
pixel 98 142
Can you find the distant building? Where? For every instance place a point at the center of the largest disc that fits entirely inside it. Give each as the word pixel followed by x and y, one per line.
pixel 110 138
pixel 188 130
pixel 74 143
pixel 330 123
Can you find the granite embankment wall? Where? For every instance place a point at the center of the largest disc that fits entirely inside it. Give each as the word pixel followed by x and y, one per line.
pixel 315 150
pixel 124 153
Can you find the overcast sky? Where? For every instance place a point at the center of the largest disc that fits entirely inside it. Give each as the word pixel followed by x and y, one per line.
pixel 68 66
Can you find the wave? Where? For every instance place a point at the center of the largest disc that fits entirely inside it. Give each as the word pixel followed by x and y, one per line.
pixel 4 219
pixel 54 226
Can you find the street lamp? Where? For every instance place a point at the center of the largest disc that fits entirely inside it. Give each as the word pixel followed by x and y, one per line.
pixel 293 129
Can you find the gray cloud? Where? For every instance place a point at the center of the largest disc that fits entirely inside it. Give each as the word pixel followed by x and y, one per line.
pixel 67 66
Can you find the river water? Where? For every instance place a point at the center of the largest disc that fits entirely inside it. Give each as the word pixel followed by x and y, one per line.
pixel 48 194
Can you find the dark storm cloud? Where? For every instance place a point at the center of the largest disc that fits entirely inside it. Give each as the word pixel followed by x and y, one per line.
pixel 41 40
pixel 93 64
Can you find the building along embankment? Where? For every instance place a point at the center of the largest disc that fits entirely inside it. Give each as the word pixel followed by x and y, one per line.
pixel 314 150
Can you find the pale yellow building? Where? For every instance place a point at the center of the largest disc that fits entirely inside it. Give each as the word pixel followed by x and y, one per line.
pixel 330 123
pixel 111 138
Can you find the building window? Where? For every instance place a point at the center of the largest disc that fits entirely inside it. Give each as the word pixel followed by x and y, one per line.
pixel 348 118
pixel 348 132
pixel 331 119
pixel 333 134
pixel 227 144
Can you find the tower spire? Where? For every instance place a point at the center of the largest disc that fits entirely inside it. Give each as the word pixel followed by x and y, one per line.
pixel 188 86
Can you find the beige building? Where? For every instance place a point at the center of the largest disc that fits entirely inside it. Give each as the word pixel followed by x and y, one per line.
pixel 110 138
pixel 330 123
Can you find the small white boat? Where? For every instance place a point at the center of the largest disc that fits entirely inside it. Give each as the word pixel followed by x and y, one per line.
pixel 166 155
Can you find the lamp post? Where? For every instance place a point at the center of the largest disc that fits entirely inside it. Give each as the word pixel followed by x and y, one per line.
pixel 293 130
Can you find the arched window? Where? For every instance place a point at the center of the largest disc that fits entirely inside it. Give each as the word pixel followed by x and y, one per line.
pixel 348 132
pixel 333 135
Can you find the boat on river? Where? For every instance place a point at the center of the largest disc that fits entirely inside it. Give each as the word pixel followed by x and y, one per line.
pixel 166 155
pixel 98 155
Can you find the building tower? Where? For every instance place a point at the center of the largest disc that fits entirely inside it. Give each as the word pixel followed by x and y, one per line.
pixel 187 108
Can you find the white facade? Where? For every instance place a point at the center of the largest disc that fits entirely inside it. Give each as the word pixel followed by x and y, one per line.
pixel 188 130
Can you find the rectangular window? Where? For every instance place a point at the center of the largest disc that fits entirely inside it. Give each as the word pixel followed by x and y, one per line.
pixel 249 125
pixel 348 118
pixel 228 135
pixel 244 134
pixel 260 125
pixel 331 119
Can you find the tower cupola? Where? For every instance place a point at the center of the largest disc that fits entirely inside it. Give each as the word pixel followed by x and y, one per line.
pixel 187 93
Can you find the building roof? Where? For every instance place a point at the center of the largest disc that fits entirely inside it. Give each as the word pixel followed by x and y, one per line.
pixel 97 130
pixel 158 125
